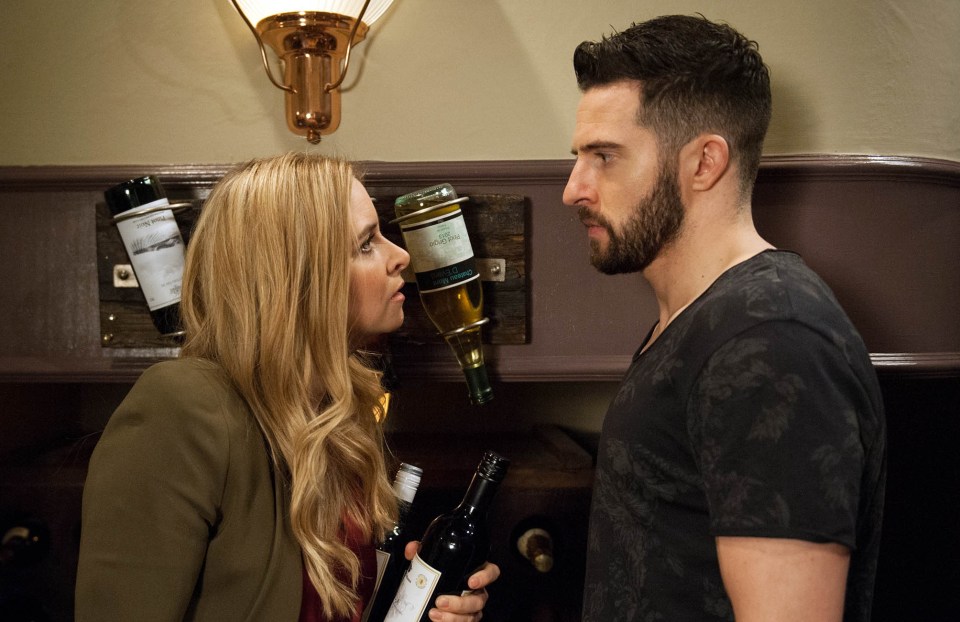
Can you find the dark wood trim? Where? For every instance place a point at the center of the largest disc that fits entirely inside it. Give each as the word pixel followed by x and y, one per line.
pixel 861 167
pixel 918 364
pixel 814 166
pixel 123 370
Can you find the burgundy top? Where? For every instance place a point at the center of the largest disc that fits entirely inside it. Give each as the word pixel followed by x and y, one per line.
pixel 310 608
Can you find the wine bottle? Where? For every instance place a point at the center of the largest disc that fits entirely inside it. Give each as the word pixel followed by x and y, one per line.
pixel 154 245
pixel 535 544
pixel 391 561
pixel 452 548
pixel 24 543
pixel 442 258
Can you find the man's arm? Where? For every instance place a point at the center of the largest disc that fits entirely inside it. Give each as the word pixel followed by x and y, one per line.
pixel 783 579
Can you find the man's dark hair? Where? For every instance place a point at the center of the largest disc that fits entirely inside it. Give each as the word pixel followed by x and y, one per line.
pixel 695 76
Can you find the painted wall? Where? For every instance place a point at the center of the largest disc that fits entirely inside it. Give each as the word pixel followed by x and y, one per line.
pixel 180 81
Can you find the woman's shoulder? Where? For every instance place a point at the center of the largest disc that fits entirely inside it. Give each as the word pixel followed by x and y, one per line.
pixel 187 388
pixel 185 371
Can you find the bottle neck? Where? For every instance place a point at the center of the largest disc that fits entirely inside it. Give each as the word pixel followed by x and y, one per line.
pixel 478 384
pixel 479 495
pixel 403 510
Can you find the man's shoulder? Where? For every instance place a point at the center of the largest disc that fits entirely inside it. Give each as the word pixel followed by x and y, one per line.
pixel 772 286
pixel 774 293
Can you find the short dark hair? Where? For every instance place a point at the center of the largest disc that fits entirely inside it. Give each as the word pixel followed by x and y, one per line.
pixel 695 76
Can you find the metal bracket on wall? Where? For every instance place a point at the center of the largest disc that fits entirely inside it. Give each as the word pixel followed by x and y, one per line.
pixel 123 276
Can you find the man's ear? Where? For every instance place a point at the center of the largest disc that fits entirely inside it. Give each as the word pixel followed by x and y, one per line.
pixel 706 159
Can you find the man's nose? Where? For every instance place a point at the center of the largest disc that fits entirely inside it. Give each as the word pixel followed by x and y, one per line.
pixel 578 188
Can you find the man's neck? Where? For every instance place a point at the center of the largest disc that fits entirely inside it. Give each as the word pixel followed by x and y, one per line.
pixel 701 253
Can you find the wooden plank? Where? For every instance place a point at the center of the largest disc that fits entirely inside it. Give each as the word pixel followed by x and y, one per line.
pixel 496 224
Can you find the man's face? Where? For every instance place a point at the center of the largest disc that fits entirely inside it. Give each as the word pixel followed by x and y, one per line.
pixel 628 200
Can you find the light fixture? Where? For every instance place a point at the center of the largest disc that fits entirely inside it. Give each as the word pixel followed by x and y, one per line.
pixel 313 38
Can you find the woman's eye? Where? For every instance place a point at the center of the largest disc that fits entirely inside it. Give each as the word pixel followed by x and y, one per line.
pixel 367 245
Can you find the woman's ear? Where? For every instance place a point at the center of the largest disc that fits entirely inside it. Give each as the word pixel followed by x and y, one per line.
pixel 707 159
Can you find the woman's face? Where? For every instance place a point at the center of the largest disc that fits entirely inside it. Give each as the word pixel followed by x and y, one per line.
pixel 376 304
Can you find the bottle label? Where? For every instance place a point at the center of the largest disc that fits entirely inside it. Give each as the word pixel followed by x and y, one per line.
pixel 416 589
pixel 155 247
pixel 383 559
pixel 440 252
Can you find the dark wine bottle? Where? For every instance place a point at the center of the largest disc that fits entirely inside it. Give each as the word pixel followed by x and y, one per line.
pixel 391 561
pixel 453 547
pixel 442 258
pixel 24 543
pixel 154 245
pixel 535 544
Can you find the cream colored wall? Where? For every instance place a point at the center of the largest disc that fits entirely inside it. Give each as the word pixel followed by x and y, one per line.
pixel 180 81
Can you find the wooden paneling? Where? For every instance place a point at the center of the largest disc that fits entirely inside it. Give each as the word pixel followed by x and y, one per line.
pixel 881 230
pixel 496 226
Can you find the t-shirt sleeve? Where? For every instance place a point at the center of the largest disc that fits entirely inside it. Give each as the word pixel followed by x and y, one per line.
pixel 773 423
pixel 150 501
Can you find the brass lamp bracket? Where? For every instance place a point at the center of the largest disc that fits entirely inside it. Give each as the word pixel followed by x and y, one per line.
pixel 319 20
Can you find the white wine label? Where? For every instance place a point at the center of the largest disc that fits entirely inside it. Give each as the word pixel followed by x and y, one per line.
pixel 413 597
pixel 440 252
pixel 383 559
pixel 155 247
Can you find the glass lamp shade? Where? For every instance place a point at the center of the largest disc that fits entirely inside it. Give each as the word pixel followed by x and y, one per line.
pixel 258 10
pixel 313 38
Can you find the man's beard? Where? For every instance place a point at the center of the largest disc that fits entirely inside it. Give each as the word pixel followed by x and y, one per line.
pixel 655 222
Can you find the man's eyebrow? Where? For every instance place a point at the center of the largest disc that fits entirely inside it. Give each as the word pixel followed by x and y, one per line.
pixel 596 146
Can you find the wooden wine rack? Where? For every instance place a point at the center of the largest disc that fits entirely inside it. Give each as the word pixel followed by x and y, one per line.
pixel 496 224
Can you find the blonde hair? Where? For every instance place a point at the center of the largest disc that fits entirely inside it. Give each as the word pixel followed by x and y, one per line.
pixel 265 294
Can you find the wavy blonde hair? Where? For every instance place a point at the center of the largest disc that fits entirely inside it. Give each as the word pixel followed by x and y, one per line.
pixel 265 294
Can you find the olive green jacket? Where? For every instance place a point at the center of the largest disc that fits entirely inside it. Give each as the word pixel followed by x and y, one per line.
pixel 182 516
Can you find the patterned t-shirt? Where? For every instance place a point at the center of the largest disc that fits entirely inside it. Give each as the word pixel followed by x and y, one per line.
pixel 756 413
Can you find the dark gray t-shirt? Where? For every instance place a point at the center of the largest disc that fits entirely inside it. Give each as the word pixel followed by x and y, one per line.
pixel 756 413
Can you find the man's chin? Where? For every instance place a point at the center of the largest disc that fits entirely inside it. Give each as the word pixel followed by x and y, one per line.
pixel 611 266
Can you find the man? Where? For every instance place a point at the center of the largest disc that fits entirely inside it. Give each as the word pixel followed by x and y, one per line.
pixel 741 465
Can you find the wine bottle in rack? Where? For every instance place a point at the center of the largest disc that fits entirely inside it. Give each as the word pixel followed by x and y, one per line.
pixel 454 546
pixel 23 543
pixel 391 562
pixel 442 258
pixel 154 245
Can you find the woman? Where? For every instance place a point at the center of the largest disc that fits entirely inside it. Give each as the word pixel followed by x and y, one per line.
pixel 246 480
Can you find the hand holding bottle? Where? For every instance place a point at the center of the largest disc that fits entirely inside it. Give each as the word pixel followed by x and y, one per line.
pixel 448 570
pixel 467 605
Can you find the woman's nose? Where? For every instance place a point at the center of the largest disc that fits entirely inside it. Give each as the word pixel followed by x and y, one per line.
pixel 400 260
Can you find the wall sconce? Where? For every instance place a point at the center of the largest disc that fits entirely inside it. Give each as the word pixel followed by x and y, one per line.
pixel 313 38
